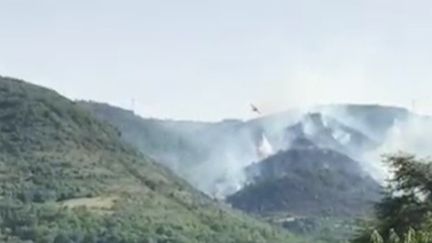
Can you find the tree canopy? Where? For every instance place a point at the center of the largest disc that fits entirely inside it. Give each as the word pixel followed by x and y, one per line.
pixel 405 212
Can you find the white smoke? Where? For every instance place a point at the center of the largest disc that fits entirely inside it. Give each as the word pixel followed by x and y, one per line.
pixel 341 136
pixel 222 172
pixel 341 113
pixel 226 174
pixel 413 136
pixel 265 149
pixel 230 152
pixel 410 135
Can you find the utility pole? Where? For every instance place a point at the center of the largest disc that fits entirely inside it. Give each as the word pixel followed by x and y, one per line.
pixel 413 106
pixel 133 105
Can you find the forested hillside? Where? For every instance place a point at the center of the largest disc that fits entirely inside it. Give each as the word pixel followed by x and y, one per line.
pixel 316 177
pixel 67 177
pixel 307 182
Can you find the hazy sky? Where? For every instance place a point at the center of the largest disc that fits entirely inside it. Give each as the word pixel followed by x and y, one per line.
pixel 209 59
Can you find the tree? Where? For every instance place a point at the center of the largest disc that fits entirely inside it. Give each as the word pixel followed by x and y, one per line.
pixel 376 237
pixel 407 203
pixel 62 238
pixel 393 237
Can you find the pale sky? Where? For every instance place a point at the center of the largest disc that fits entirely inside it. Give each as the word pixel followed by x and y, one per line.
pixel 207 60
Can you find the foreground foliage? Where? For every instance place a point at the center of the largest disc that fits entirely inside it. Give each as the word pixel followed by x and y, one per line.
pixel 405 213
pixel 411 236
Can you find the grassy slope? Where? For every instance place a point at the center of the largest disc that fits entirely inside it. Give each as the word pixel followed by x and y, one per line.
pixel 66 177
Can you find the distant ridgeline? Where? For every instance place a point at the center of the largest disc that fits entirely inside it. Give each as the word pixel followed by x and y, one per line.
pixel 67 177
pixel 215 156
pixel 296 164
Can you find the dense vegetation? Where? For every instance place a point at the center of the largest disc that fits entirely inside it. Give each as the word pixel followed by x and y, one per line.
pixel 316 190
pixel 405 213
pixel 66 177
pixel 308 182
pixel 196 151
pixel 168 141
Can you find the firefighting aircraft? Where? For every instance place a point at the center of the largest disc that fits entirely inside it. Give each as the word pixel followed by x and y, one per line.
pixel 255 109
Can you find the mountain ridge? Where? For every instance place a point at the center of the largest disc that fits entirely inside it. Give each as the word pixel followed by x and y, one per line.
pixel 225 148
pixel 307 181
pixel 65 176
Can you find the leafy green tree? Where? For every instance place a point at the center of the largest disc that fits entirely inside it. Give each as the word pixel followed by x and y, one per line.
pixel 410 236
pixel 406 207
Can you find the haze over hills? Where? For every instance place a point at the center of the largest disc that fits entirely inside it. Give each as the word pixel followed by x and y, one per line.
pixel 59 161
pixel 249 121
pixel 65 176
pixel 214 155
pixel 312 170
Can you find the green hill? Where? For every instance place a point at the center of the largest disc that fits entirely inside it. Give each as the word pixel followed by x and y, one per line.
pixel 173 143
pixel 206 154
pixel 66 177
